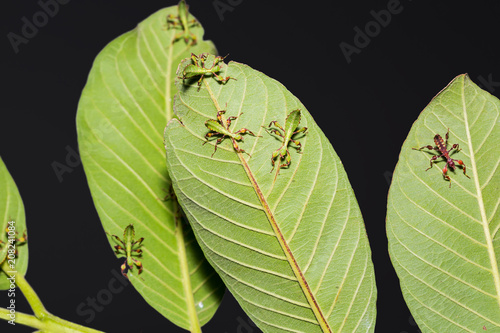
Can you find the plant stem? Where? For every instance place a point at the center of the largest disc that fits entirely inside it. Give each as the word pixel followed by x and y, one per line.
pixel 32 298
pixel 22 318
pixel 42 319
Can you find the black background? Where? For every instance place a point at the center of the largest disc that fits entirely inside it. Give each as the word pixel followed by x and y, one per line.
pixel 365 107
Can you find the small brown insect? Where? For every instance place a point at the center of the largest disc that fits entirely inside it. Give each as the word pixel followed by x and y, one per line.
pixel 441 146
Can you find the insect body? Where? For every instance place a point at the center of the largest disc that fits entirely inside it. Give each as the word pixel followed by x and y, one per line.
pixel 197 68
pixel 291 123
pixel 441 146
pixel 10 249
pixel 221 127
pixel 181 20
pixel 129 247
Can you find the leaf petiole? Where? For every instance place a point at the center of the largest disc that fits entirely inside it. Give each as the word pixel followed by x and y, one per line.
pixel 42 319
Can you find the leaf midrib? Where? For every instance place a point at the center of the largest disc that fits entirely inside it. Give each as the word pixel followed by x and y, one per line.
pixel 484 219
pixel 194 322
pixel 279 235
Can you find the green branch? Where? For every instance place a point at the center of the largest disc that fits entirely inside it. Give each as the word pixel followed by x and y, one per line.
pixel 42 320
pixel 21 318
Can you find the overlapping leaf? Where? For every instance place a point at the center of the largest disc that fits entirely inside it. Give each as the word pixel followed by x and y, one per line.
pixel 293 252
pixel 444 241
pixel 11 210
pixel 121 118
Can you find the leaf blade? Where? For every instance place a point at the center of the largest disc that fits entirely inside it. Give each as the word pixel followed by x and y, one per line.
pixel 122 114
pixel 231 199
pixel 11 209
pixel 426 218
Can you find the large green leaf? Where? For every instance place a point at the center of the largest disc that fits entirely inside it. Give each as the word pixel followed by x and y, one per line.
pixel 293 252
pixel 444 241
pixel 11 210
pixel 122 114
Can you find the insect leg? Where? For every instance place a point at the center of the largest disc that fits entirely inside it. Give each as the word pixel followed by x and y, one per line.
pixel 273 131
pixel 222 79
pixel 199 81
pixel 173 20
pixel 244 130
pixel 460 162
pixel 192 23
pixel 178 36
pixel 428 147
pixel 124 267
pixel 194 59
pixel 116 238
pixel 203 57
pixel 209 135
pixel 188 36
pixel 219 115
pixel 218 59
pixel 275 123
pixel 23 238
pixel 299 146
pixel 228 121
pixel 238 149
pixel 216 143
pixel 445 170
pixel 119 249
pixel 301 130
pixel 138 252
pixel 287 158
pixel 433 158
pixel 138 264
pixel 455 146
pixel 137 244
pixel 273 158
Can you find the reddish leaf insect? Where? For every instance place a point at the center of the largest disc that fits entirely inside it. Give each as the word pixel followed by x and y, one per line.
pixel 441 146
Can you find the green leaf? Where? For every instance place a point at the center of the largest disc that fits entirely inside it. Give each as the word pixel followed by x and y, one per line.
pixel 11 210
pixel 293 252
pixel 122 114
pixel 444 241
